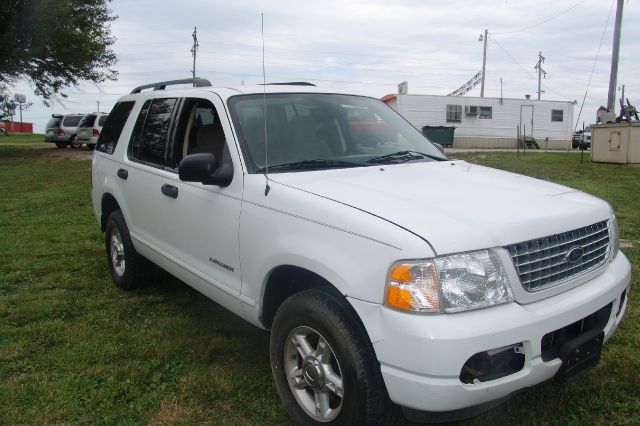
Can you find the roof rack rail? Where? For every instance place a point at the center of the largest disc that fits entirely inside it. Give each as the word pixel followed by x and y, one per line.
pixel 289 83
pixel 161 85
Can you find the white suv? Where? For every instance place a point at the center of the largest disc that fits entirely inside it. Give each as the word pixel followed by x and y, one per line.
pixel 387 273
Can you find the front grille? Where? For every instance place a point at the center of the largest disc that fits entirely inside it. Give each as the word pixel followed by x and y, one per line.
pixel 543 262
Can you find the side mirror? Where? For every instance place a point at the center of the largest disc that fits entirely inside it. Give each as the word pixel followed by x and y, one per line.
pixel 204 168
pixel 440 147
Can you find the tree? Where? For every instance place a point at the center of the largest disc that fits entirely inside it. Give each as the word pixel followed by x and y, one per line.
pixel 7 104
pixel 54 44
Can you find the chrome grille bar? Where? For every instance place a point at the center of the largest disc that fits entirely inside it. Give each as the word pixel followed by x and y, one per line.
pixel 543 262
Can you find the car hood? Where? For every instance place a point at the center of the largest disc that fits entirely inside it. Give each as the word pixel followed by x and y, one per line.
pixel 454 205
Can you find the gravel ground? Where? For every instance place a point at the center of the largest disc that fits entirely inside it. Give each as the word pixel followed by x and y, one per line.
pixel 50 150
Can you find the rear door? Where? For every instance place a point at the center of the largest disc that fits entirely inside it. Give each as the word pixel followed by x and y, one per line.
pixel 193 226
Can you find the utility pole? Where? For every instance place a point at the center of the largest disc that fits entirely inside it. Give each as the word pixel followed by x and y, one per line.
pixel 484 59
pixel 98 102
pixel 541 73
pixel 615 55
pixel 194 49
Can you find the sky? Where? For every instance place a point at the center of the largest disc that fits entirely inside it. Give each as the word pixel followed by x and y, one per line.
pixel 368 47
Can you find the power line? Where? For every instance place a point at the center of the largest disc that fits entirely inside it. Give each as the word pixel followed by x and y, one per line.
pixel 526 71
pixel 544 21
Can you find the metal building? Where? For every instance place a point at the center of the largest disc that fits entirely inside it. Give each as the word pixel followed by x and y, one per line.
pixel 490 122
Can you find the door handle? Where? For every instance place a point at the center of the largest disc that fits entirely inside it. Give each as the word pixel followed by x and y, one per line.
pixel 169 190
pixel 123 174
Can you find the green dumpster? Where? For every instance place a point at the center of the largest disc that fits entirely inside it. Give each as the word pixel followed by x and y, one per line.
pixel 439 134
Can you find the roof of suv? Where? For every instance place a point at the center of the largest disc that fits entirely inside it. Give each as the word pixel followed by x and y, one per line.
pixel 226 92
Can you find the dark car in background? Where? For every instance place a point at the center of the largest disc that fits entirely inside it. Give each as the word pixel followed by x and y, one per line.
pixel 62 129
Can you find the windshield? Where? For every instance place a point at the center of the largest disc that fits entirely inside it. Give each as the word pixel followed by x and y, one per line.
pixel 318 131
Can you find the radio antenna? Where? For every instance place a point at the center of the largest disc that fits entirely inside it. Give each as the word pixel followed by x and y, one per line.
pixel 264 105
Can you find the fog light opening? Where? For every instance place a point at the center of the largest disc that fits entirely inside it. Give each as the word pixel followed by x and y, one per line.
pixel 623 298
pixel 493 364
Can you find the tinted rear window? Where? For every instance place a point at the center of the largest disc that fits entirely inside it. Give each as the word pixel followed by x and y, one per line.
pixel 151 133
pixel 72 120
pixel 87 121
pixel 54 122
pixel 102 119
pixel 113 127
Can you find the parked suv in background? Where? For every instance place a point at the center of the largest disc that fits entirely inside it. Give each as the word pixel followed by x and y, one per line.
pixel 61 130
pixel 90 127
pixel 386 272
pixel 585 138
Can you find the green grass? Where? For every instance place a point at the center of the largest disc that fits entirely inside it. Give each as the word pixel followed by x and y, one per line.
pixel 75 349
pixel 21 138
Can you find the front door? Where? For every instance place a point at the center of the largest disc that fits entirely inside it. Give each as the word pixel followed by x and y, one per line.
pixel 526 121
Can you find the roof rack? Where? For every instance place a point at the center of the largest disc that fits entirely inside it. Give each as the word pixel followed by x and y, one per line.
pixel 290 83
pixel 161 85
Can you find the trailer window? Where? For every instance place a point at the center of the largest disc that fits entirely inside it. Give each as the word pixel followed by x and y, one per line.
pixel 454 113
pixel 557 115
pixel 485 112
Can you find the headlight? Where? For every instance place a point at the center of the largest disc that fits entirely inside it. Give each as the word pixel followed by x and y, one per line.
pixel 614 236
pixel 453 283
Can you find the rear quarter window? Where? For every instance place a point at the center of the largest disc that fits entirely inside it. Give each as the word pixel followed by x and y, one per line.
pixel 113 127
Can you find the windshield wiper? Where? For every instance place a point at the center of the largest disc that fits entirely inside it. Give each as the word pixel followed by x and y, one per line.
pixel 319 163
pixel 403 157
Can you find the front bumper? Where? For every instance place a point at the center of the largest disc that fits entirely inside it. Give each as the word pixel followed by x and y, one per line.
pixel 421 356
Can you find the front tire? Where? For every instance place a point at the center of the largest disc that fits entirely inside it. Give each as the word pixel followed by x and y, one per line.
pixel 129 270
pixel 323 363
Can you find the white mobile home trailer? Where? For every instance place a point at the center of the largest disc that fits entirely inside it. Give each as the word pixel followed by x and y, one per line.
pixel 490 122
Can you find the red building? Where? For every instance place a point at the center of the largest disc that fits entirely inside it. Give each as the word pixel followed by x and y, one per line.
pixel 13 127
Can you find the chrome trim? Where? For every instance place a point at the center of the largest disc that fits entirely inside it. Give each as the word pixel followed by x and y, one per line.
pixel 541 263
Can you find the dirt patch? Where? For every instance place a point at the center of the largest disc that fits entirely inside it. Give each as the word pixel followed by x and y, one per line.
pixel 627 243
pixel 47 150
pixel 76 154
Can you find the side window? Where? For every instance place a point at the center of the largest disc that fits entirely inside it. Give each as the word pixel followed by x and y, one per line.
pixel 557 115
pixel 151 132
pixel 454 113
pixel 199 130
pixel 485 112
pixel 113 127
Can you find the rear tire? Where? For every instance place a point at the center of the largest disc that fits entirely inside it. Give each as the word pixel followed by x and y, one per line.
pixel 324 365
pixel 91 147
pixel 61 145
pixel 129 270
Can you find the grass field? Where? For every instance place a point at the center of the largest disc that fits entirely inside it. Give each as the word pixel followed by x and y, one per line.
pixel 75 349
pixel 21 138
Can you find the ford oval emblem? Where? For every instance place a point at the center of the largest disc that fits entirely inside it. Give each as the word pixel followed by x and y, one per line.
pixel 574 254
